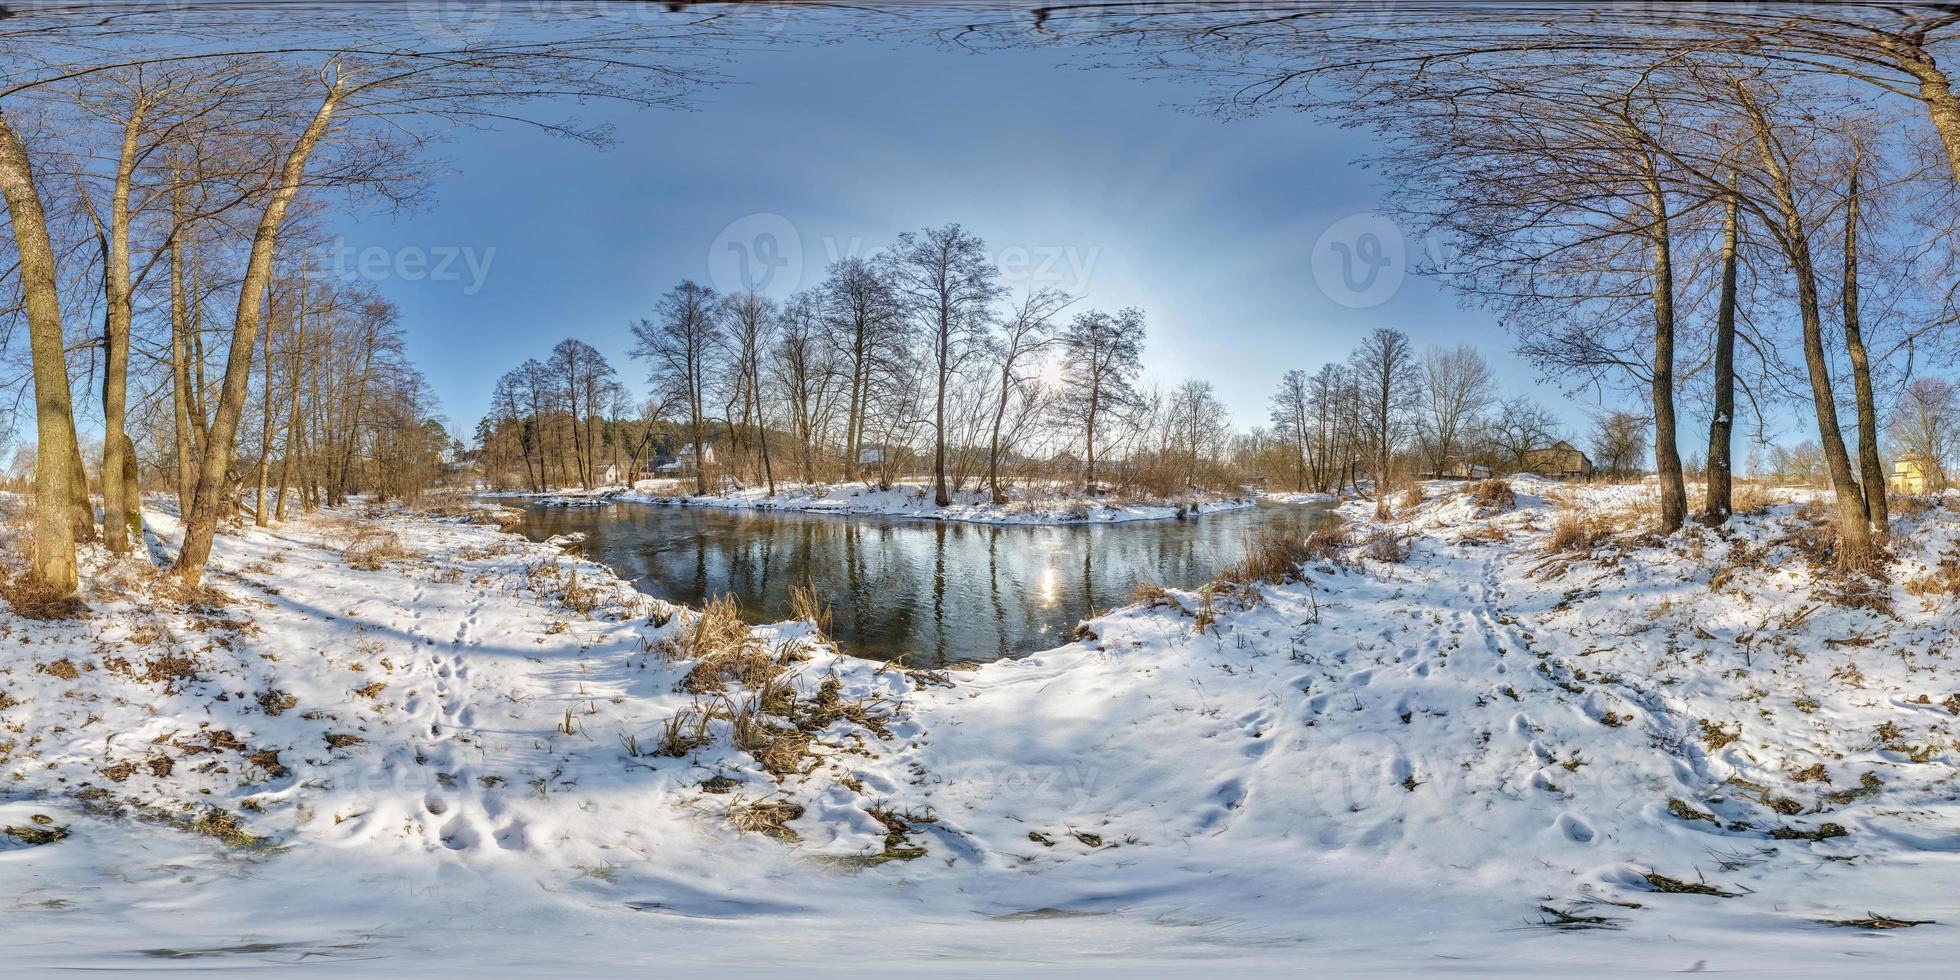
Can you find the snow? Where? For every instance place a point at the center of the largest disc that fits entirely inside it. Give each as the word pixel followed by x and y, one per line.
pixel 1384 767
pixel 1049 507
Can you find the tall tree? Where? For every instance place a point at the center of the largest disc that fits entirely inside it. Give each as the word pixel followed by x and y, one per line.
pixel 679 345
pixel 1456 390
pixel 1025 336
pixel 948 285
pixel 866 323
pixel 1102 354
pixel 1384 370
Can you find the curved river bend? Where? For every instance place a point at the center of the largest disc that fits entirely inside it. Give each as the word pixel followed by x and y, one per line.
pixel 935 591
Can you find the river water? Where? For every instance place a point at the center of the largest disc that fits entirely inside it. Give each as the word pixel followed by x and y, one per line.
pixel 933 591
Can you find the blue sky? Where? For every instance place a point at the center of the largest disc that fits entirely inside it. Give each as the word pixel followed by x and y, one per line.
pixel 1085 179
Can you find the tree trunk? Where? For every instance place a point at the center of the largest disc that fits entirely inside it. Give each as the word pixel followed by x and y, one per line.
pixel 1936 90
pixel 292 417
pixel 1870 469
pixel 1721 425
pixel 1854 532
pixel 265 429
pixel 202 525
pixel 180 376
pixel 117 496
pixel 56 520
pixel 1667 452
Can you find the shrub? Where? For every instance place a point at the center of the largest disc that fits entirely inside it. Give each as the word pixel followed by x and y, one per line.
pixel 1386 544
pixel 1410 498
pixel 1328 538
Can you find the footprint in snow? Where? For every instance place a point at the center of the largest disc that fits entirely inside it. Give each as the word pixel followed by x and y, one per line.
pixel 1575 828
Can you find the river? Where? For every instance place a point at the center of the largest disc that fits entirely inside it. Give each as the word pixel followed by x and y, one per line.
pixel 934 591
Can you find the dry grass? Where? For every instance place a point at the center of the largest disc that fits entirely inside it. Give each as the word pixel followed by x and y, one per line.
pixel 1272 556
pixel 1150 594
pixel 684 732
pixel 1493 495
pixel 32 599
pixel 805 605
pixel 371 548
pixel 1910 505
pixel 722 648
pixel 1410 499
pixel 768 817
pixel 1941 581
pixel 1577 531
pixel 1750 499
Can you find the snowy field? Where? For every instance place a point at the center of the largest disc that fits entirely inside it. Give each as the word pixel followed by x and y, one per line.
pixel 388 745
pixel 909 500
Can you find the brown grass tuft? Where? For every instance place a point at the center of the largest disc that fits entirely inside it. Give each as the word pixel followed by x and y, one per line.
pixel 1944 580
pixel 1576 531
pixel 1750 499
pixel 1493 495
pixel 768 817
pixel 372 548
pixel 723 648
pixel 805 605
pixel 1272 556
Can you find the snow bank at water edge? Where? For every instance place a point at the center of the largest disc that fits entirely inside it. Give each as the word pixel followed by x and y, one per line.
pixel 909 501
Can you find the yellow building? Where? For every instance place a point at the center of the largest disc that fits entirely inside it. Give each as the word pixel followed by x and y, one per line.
pixel 1910 474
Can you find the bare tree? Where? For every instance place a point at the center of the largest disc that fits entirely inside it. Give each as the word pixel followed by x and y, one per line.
pixel 866 325
pixel 1456 390
pixel 1520 426
pixel 1025 337
pixel 679 346
pixel 1925 428
pixel 1389 384
pixel 750 320
pixel 1620 442
pixel 1101 357
pixel 948 284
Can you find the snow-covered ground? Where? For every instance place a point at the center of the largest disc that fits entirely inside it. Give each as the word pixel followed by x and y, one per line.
pixel 909 500
pixel 1487 756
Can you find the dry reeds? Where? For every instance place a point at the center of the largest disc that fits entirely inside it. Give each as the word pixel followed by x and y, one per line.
pixel 1273 556
pixel 723 648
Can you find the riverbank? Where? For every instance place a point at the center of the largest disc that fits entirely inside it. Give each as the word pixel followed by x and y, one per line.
pixel 905 500
pixel 1517 734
